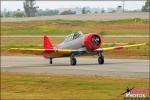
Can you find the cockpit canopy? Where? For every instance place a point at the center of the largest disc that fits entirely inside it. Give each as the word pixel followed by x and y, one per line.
pixel 73 36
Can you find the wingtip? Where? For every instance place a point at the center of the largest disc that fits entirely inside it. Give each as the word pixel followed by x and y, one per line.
pixel 143 44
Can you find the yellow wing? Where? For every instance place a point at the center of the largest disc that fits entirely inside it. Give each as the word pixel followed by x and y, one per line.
pixel 26 50
pixel 45 52
pixel 119 47
pixel 66 52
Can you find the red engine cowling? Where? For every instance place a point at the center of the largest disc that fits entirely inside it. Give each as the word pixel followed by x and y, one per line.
pixel 92 41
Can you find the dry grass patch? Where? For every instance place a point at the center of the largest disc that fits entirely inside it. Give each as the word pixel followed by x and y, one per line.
pixel 42 86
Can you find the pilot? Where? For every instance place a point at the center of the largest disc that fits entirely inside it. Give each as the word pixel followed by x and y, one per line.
pixel 76 35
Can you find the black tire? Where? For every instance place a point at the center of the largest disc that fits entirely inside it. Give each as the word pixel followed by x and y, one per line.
pixel 101 60
pixel 73 61
pixel 51 62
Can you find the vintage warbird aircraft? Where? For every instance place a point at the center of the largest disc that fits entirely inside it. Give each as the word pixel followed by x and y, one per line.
pixel 73 45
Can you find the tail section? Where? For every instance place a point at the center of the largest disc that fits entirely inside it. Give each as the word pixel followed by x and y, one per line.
pixel 47 43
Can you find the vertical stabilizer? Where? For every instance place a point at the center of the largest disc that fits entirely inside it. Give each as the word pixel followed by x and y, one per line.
pixel 47 43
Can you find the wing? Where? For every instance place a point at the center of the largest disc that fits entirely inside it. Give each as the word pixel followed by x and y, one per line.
pixel 66 52
pixel 47 52
pixel 28 51
pixel 119 47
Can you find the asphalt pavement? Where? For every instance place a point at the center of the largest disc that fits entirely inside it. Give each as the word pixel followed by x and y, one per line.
pixel 85 66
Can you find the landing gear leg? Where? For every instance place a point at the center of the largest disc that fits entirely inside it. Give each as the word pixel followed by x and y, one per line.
pixel 100 58
pixel 50 61
pixel 73 60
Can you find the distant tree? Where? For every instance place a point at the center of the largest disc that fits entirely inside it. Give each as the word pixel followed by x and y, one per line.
pixel 1 15
pixel 146 7
pixel 113 11
pixel 119 7
pixel 67 12
pixel 88 11
pixel 18 13
pixel 47 12
pixel 54 12
pixel 30 8
pixel 103 11
pixel 96 12
pixel 84 10
pixel 8 14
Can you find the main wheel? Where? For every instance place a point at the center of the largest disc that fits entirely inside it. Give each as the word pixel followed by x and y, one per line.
pixel 50 61
pixel 73 61
pixel 101 60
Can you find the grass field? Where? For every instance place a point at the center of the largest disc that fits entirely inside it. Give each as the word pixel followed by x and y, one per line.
pixel 41 86
pixel 65 27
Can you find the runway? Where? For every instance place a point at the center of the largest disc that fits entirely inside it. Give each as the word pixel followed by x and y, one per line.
pixel 85 66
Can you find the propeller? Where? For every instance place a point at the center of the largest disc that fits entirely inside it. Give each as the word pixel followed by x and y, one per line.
pixel 95 40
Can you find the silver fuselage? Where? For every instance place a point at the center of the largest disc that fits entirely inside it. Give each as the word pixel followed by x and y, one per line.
pixel 72 44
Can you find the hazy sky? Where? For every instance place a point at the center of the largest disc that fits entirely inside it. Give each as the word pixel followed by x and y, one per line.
pixel 130 5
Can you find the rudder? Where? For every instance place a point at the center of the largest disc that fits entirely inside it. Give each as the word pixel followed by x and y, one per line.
pixel 47 43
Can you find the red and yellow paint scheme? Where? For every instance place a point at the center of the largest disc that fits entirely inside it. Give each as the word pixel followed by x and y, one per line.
pixel 74 44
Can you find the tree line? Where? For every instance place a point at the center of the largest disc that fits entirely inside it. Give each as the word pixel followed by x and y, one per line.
pixel 30 10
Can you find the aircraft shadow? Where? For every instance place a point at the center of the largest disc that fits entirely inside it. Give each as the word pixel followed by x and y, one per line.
pixel 84 65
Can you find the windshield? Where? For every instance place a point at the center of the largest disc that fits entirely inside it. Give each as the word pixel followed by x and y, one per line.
pixel 73 36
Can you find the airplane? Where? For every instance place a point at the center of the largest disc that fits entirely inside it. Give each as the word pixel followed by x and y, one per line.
pixel 75 44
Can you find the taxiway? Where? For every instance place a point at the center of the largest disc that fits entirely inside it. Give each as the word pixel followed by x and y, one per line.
pixel 85 66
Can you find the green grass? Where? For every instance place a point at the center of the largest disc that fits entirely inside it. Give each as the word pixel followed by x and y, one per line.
pixel 124 32
pixel 125 21
pixel 80 22
pixel 38 86
pixel 65 27
pixel 67 22
pixel 8 46
pixel 59 31
pixel 35 31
